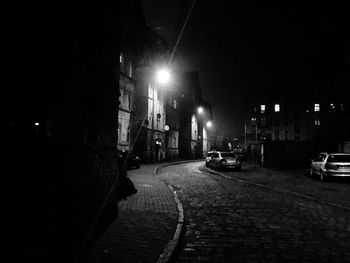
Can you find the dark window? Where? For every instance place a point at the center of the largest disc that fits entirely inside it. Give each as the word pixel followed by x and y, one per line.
pixel 297 115
pixel 228 155
pixel 341 158
pixel 297 127
pixel 277 135
pixel 277 122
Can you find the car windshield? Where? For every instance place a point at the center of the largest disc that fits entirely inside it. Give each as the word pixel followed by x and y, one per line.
pixel 339 158
pixel 228 155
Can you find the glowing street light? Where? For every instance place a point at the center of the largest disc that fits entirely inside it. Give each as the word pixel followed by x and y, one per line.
pixel 209 124
pixel 200 110
pixel 163 76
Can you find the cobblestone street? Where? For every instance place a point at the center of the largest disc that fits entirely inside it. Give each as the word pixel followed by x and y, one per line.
pixel 230 221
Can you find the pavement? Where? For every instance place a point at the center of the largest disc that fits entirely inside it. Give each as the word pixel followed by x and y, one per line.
pixel 148 225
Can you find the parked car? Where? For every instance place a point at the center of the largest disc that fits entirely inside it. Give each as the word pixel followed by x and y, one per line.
pixel 330 164
pixel 208 157
pixel 224 160
pixel 133 160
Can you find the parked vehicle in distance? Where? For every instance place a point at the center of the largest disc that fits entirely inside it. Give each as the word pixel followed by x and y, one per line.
pixel 224 160
pixel 208 157
pixel 133 160
pixel 330 165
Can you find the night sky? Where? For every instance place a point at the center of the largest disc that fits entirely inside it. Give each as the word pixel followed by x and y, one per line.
pixel 240 51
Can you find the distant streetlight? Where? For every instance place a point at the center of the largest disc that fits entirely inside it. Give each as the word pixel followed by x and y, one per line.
pixel 209 124
pixel 200 110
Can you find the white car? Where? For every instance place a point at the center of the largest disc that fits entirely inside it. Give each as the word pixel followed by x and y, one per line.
pixel 330 164
pixel 224 160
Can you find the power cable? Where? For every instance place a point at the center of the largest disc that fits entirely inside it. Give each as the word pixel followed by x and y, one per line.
pixel 181 32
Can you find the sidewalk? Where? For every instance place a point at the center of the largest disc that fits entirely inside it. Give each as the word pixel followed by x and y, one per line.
pixel 146 223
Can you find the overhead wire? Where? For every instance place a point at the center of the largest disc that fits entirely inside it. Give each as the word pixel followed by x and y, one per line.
pixel 181 32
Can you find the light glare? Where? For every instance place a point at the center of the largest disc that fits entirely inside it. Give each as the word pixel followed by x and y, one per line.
pixel 163 76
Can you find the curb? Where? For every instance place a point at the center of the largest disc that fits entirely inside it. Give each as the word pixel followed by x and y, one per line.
pixel 172 245
pixel 277 189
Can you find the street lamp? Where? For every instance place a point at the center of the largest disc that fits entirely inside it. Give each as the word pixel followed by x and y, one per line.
pixel 200 110
pixel 162 77
pixel 209 124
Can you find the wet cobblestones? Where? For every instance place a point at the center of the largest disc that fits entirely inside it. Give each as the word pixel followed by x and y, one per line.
pixel 229 221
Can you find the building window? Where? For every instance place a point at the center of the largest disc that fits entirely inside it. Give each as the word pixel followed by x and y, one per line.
pixel 297 115
pixel 277 108
pixel 317 123
pixel 174 142
pixel 296 127
pixel 130 70
pixel 317 107
pixel 277 135
pixel 128 134
pixel 277 122
pixel 119 131
pixel 262 109
pixel 253 121
pixel 175 104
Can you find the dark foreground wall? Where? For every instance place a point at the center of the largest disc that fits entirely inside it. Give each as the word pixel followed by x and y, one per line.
pixel 59 107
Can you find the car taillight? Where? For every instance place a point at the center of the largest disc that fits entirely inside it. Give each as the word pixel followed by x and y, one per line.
pixel 330 166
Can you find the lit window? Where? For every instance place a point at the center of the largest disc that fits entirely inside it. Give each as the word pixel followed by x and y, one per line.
pixel 121 59
pixel 262 108
pixel 175 103
pixel 130 70
pixel 317 107
pixel 317 123
pixel 277 107
pixel 253 121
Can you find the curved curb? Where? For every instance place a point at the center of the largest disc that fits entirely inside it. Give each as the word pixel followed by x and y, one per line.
pixel 170 248
pixel 277 189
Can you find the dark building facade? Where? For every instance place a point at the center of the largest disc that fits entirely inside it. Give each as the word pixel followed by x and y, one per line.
pixel 60 127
